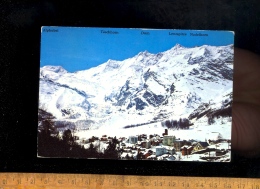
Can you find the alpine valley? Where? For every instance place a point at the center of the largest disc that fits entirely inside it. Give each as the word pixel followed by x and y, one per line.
pixel 147 89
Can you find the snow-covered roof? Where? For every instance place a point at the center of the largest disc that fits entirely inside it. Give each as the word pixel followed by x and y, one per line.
pixel 186 146
pixel 203 144
pixel 124 154
pixel 151 156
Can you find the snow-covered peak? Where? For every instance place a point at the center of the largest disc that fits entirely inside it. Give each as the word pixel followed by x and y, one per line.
pixel 144 53
pixel 56 69
pixel 111 65
pixel 178 46
pixel 52 72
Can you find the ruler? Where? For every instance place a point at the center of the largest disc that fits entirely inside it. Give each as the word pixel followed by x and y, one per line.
pixel 98 181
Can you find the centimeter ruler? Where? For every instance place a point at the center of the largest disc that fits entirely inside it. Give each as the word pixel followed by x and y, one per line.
pixel 98 181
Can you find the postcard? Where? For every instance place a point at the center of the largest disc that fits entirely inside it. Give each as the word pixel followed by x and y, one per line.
pixel 135 94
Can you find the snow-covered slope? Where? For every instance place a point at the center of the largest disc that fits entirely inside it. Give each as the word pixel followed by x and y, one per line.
pixel 142 89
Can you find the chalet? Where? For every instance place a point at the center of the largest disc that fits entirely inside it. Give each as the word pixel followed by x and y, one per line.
pixel 155 143
pixel 186 150
pixel 200 146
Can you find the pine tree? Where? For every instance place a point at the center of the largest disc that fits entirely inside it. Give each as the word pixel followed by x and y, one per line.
pixel 111 152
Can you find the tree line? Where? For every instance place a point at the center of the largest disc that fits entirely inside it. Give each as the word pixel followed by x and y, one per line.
pixel 50 144
pixel 182 123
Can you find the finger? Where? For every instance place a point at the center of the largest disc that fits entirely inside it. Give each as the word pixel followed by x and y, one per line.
pixel 246 77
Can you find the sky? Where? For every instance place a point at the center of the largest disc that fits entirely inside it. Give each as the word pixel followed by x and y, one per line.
pixel 80 48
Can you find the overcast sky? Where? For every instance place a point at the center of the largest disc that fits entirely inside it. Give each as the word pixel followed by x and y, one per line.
pixel 76 48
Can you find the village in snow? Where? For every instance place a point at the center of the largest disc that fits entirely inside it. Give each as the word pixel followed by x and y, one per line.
pixel 164 146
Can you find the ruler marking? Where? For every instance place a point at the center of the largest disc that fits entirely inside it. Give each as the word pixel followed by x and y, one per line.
pixel 41 180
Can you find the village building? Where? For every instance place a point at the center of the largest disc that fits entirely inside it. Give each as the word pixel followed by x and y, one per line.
pixel 200 146
pixel 145 144
pixel 186 150
pixel 170 150
pixel 133 139
pixel 148 144
pixel 179 143
pixel 160 150
pixel 168 140
pixel 170 158
pixel 155 142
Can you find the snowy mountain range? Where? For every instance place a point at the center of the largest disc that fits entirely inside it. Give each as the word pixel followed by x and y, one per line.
pixel 146 88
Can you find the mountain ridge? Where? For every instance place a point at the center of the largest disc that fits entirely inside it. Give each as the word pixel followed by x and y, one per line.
pixel 176 81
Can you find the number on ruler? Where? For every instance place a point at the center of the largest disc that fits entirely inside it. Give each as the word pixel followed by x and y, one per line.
pixel 31 181
pixel 114 182
pixel 213 185
pixel 45 181
pixel 100 181
pixel 172 184
pixel 60 182
pixel 87 182
pixel 4 181
pixel 158 183
pixel 255 186
pixel 227 185
pixel 128 183
pixel 242 186
pixel 200 185
pixel 186 185
pixel 73 182
pixel 144 183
